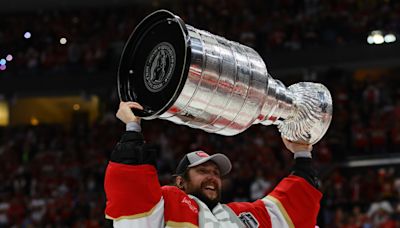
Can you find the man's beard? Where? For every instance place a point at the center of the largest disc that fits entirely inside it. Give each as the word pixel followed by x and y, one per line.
pixel 211 203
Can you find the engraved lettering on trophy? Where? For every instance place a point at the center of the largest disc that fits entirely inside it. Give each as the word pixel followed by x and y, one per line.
pixel 324 105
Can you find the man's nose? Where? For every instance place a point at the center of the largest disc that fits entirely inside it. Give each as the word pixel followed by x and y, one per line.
pixel 213 175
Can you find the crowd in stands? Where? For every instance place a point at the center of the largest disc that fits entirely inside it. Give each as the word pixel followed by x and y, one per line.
pixel 366 114
pixel 95 37
pixel 363 198
pixel 52 176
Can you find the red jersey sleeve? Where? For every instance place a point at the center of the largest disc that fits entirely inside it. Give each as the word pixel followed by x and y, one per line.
pixel 132 191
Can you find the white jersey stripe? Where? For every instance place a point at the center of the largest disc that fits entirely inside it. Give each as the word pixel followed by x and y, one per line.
pixel 278 214
pixel 153 218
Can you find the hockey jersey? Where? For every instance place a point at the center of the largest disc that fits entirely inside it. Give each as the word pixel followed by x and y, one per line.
pixel 136 199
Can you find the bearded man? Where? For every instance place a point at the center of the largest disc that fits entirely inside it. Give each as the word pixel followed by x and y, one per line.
pixel 136 199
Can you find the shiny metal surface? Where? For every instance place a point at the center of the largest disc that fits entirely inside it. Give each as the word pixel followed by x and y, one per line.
pixel 228 89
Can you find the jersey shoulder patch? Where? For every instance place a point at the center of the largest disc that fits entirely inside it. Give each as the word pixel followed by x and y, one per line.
pixel 249 220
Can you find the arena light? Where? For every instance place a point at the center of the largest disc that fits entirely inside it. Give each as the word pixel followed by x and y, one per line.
pixel 380 37
pixel 390 38
pixel 34 121
pixel 27 35
pixel 76 107
pixel 3 67
pixel 4 113
pixel 3 62
pixel 370 40
pixel 377 37
pixel 63 40
pixel 9 58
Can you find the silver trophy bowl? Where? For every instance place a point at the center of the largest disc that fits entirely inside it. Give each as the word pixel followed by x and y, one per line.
pixel 192 77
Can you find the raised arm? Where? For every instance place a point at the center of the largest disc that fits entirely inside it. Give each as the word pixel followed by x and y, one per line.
pixel 303 162
pixel 131 184
pixel 294 202
pixel 297 197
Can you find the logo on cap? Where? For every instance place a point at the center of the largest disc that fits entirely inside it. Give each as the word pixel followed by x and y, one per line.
pixel 202 154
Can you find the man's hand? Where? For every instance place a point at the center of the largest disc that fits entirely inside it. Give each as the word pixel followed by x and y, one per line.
pixel 125 113
pixel 296 147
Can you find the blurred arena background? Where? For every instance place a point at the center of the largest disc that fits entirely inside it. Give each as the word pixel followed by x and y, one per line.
pixel 58 64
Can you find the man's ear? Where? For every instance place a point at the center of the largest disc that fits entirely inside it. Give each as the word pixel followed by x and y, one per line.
pixel 180 182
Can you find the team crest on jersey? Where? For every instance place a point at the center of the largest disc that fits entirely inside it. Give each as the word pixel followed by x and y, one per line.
pixel 249 220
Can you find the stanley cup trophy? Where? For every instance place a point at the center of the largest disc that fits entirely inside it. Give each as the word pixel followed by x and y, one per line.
pixel 192 77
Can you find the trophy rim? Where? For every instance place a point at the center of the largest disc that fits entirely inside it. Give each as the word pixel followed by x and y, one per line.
pixel 123 92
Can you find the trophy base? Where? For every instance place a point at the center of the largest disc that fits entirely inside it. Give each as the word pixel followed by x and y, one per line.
pixel 154 64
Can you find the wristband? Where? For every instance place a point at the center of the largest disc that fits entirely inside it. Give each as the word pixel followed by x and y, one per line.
pixel 302 154
pixel 133 126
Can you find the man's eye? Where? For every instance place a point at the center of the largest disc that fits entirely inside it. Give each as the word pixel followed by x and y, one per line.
pixel 202 170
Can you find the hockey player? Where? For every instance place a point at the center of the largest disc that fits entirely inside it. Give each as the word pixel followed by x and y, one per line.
pixel 136 199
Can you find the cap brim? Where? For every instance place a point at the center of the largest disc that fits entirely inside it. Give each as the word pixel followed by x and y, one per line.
pixel 222 161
